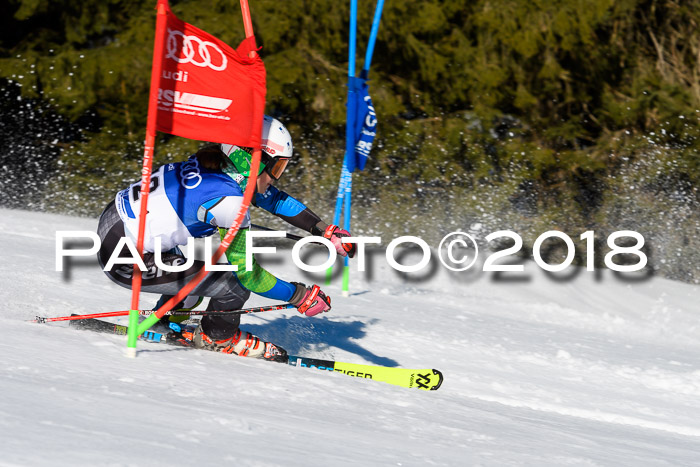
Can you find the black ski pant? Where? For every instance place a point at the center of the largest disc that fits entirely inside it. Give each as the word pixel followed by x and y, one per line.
pixel 223 287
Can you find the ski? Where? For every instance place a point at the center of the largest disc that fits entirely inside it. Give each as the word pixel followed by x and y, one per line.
pixel 97 325
pixel 427 379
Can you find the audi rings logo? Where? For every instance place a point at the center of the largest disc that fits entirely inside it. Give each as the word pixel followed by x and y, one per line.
pixel 189 174
pixel 192 49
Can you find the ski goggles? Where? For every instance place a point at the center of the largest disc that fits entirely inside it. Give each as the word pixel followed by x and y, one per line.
pixel 274 166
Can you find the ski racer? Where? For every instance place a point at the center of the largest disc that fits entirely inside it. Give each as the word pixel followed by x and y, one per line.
pixel 201 197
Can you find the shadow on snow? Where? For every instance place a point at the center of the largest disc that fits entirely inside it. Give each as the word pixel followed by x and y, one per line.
pixel 298 334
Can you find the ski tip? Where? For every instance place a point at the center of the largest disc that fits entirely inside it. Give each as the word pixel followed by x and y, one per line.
pixel 437 373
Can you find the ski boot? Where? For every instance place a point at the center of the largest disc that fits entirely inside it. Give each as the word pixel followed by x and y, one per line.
pixel 182 333
pixel 174 329
pixel 243 344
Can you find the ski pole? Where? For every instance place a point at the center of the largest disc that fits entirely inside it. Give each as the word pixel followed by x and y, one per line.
pixel 109 314
pixel 40 319
pixel 268 229
pixel 260 309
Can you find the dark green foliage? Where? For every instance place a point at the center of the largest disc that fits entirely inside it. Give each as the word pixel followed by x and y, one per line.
pixel 524 114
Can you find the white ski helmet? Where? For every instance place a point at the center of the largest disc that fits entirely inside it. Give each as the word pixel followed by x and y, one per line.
pixel 276 148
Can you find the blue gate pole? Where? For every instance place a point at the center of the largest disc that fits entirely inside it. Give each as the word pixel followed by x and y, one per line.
pixel 343 201
pixel 348 210
pixel 349 135
pixel 338 210
pixel 345 183
pixel 372 38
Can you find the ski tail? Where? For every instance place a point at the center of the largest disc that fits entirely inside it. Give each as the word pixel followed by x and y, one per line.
pixel 97 325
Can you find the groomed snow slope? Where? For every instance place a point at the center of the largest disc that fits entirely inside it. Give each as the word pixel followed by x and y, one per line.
pixel 592 370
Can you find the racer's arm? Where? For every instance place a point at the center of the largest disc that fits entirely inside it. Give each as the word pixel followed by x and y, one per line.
pixel 290 210
pixel 258 280
pixel 296 213
pixel 221 211
pixel 308 300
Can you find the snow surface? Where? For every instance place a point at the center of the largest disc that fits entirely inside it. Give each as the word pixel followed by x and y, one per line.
pixel 587 370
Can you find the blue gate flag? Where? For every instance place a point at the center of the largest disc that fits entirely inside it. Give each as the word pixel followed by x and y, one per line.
pixel 364 126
